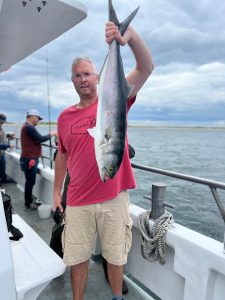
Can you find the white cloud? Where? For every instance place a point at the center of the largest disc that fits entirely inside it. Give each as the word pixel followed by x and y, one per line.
pixel 187 40
pixel 184 86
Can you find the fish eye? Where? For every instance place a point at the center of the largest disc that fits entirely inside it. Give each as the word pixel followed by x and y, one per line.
pixel 110 168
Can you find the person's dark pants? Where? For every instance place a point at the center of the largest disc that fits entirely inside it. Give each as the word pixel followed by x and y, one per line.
pixel 3 176
pixel 30 176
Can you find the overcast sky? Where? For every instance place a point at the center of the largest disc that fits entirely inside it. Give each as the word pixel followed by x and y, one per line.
pixel 187 42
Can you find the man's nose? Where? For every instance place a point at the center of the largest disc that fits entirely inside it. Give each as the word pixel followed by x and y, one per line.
pixel 83 77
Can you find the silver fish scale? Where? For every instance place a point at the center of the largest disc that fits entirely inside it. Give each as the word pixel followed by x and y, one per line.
pixel 111 121
pixel 111 115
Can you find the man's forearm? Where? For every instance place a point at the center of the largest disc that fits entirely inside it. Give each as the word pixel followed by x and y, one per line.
pixel 144 63
pixel 142 54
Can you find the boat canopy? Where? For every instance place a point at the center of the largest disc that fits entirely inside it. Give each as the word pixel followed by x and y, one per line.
pixel 26 26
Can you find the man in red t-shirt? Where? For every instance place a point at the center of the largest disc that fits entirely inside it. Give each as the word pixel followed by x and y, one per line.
pixel 92 205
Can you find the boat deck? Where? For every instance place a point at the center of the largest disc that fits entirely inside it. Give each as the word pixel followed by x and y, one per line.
pixel 60 288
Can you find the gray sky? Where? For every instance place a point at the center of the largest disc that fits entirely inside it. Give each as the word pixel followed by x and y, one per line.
pixel 187 42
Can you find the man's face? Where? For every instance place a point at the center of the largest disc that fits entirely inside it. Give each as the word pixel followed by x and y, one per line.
pixel 34 120
pixel 85 79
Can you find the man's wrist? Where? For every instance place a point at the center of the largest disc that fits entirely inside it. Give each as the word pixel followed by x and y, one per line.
pixel 132 39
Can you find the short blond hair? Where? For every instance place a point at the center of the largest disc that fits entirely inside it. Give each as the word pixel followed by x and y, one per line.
pixel 77 60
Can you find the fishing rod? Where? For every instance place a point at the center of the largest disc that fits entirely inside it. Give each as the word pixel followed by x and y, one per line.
pixel 49 108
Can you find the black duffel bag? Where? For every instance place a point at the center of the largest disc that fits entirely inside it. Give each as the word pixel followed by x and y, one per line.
pixel 16 233
pixel 55 242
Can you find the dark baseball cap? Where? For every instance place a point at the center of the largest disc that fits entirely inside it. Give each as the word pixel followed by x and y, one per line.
pixel 2 117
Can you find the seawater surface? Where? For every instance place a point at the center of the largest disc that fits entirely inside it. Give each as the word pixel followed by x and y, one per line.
pixel 192 151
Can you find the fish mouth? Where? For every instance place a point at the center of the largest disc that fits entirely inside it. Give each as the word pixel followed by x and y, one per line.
pixel 104 175
pixel 107 173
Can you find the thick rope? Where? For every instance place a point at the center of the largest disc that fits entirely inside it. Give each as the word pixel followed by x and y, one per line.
pixel 153 241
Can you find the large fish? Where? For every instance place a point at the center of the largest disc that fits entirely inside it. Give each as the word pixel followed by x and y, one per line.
pixel 113 93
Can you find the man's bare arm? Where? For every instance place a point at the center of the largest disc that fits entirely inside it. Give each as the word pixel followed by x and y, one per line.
pixel 144 63
pixel 60 172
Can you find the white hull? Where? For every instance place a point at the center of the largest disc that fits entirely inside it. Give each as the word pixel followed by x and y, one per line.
pixel 23 29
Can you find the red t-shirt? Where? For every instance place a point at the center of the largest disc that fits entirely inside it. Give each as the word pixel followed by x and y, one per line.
pixel 85 185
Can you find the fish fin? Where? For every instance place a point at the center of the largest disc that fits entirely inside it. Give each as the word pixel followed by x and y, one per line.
pixel 130 89
pixel 91 131
pixel 108 133
pixel 123 26
pixel 112 14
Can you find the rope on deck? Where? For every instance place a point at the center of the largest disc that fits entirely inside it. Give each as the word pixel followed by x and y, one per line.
pixel 153 240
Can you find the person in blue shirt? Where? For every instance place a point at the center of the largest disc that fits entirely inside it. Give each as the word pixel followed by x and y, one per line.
pixel 4 146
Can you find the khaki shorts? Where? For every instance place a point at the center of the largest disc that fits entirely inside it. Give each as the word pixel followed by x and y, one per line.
pixel 110 219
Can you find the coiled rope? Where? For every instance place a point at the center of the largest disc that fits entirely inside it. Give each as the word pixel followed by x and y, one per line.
pixel 153 241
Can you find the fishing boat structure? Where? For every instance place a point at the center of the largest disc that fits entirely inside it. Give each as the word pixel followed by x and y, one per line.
pixel 195 264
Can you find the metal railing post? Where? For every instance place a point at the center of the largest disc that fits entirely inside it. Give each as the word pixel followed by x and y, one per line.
pixel 224 241
pixel 158 197
pixel 50 156
pixel 221 210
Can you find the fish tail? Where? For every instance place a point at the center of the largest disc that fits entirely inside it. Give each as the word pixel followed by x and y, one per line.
pixel 123 25
pixel 112 14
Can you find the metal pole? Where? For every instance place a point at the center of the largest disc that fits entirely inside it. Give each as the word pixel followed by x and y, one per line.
pixel 224 242
pixel 158 197
pixel 221 210
pixel 49 111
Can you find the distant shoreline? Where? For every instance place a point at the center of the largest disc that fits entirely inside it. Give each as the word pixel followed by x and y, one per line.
pixel 176 127
pixel 143 126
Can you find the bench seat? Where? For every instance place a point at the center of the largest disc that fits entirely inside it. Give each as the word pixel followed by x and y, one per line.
pixel 35 263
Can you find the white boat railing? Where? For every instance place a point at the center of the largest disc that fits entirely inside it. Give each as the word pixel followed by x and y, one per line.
pixel 212 184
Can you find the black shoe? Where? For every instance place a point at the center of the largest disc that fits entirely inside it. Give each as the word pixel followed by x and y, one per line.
pixel 32 206
pixel 8 180
pixel 124 288
pixel 37 202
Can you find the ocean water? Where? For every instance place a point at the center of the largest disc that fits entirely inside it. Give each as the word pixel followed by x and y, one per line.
pixel 192 151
